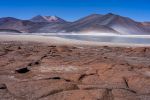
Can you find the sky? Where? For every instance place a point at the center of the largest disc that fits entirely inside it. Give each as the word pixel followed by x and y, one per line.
pixel 72 10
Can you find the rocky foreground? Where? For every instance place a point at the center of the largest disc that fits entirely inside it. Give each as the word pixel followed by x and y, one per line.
pixel 34 71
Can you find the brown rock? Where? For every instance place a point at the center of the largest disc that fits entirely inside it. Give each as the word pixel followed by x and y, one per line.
pixel 37 89
pixel 78 95
pixel 122 94
pixel 139 84
pixel 32 71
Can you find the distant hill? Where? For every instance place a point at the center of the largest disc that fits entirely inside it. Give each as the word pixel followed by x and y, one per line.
pixel 95 23
pixel 9 30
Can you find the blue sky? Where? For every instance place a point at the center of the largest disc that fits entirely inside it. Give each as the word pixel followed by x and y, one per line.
pixel 74 9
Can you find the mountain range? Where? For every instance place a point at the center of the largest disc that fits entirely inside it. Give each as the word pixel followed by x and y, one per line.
pixel 95 23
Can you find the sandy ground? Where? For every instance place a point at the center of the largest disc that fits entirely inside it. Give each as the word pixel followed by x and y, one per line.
pixel 63 41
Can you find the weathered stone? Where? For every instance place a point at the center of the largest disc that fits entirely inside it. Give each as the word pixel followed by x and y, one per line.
pixel 33 71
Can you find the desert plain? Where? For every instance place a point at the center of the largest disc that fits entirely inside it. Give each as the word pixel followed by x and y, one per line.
pixel 53 68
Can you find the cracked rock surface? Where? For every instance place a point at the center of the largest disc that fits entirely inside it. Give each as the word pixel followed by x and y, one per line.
pixel 36 71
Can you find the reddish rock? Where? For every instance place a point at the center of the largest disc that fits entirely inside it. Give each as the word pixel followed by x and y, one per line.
pixel 33 71
pixel 98 94
pixel 36 89
pixel 122 94
pixel 139 84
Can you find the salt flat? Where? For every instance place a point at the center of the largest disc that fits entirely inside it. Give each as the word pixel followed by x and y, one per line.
pixel 98 40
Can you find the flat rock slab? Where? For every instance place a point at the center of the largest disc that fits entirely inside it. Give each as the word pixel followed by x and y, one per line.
pixel 36 71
